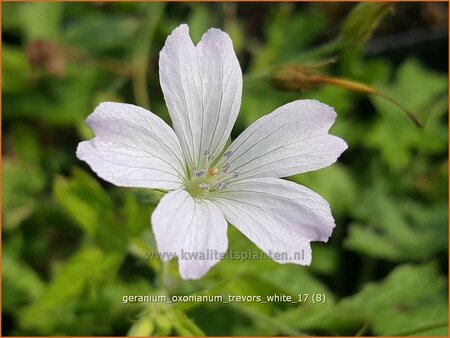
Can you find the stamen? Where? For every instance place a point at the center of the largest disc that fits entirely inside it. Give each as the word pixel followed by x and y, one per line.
pixel 204 186
pixel 206 152
pixel 228 153
pixel 221 185
pixel 200 173
pixel 226 167
pixel 210 158
pixel 235 174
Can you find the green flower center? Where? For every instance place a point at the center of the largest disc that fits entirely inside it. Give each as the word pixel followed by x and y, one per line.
pixel 203 183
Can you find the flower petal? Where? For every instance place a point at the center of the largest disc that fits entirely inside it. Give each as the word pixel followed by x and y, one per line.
pixel 202 87
pixel 291 140
pixel 132 148
pixel 279 216
pixel 193 230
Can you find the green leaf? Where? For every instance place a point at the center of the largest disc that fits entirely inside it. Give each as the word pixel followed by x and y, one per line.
pixel 143 327
pixel 63 101
pixel 20 282
pixel 11 20
pixel 200 20
pixel 398 231
pixel 392 134
pixel 97 32
pixel 183 325
pixel 84 199
pixel 335 184
pixel 26 144
pixel 94 211
pixel 89 267
pixel 136 214
pixel 411 299
pixel 22 183
pixel 16 70
pixel 362 21
pixel 304 28
pixel 41 20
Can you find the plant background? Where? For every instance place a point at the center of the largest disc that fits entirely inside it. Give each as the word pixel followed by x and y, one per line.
pixel 74 245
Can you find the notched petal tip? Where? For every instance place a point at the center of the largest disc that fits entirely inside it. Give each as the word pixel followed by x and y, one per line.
pixel 216 34
pixel 338 145
pixel 314 105
pixel 81 150
pixel 132 147
pixel 179 33
pixel 182 29
pixel 101 107
pixel 192 230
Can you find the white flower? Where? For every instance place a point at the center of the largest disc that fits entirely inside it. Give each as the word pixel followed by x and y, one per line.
pixel 209 185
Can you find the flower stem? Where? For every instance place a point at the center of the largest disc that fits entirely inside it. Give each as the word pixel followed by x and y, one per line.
pixel 164 275
pixel 140 57
pixel 258 317
pixel 420 329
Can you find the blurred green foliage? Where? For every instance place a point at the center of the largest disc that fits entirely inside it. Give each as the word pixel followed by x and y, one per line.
pixel 74 246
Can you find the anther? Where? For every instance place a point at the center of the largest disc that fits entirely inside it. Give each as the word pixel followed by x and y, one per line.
pixel 226 167
pixel 228 153
pixel 221 185
pixel 200 173
pixel 204 186
pixel 206 152
pixel 235 174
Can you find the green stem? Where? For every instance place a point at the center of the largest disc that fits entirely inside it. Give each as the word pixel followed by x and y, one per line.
pixel 362 330
pixel 140 56
pixel 260 318
pixel 165 275
pixel 314 54
pixel 420 329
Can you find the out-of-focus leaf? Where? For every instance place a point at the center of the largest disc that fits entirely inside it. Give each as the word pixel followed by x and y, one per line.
pixel 362 21
pixel 11 20
pixel 95 212
pixel 16 71
pixel 410 298
pixel 22 183
pixel 234 27
pixel 25 144
pixel 84 199
pixel 163 324
pixel 41 20
pixel 137 215
pixel 335 184
pixel 183 325
pixel 394 236
pixel 303 28
pixel 257 102
pixel 20 283
pixel 97 33
pixel 89 267
pixel 200 20
pixel 393 135
pixel 143 44
pixel 62 102
pixel 143 327
pixel 325 260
